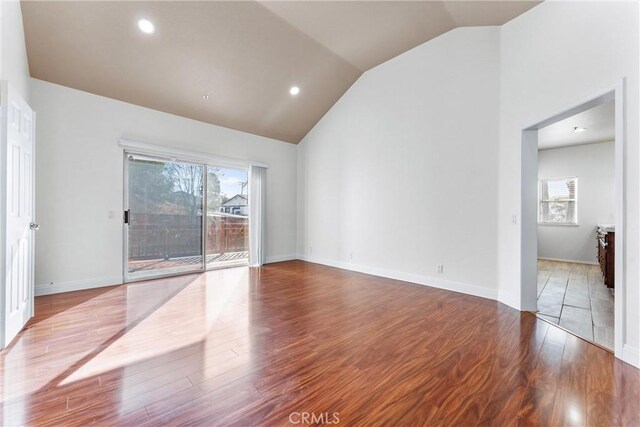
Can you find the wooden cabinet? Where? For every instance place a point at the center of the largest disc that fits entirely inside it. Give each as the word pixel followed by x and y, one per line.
pixel 606 255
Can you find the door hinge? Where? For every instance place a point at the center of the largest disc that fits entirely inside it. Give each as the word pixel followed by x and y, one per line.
pixel 126 216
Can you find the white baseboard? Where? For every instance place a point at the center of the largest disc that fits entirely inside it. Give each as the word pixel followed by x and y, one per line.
pixel 510 299
pixel 77 285
pixel 631 355
pixel 449 285
pixel 280 258
pixel 575 261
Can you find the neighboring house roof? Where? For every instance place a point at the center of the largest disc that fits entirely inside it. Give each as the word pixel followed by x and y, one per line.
pixel 237 200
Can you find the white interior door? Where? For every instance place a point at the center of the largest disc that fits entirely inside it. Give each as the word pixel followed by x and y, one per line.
pixel 18 202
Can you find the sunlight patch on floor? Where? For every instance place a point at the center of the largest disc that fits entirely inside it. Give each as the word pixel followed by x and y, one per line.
pixel 183 320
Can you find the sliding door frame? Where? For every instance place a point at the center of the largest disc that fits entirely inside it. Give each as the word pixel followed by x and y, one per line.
pixel 125 226
pixel 205 212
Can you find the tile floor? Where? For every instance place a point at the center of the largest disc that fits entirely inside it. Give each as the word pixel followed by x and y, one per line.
pixel 574 297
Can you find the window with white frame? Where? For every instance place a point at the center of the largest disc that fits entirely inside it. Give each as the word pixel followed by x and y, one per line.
pixel 558 201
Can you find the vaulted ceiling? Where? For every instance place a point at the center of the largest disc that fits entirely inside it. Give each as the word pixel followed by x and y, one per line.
pixel 244 55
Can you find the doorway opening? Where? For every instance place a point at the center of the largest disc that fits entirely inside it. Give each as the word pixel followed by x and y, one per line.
pixel 178 211
pixel 576 223
pixel 573 218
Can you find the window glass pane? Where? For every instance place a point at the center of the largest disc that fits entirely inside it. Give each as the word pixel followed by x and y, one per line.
pixel 559 189
pixel 165 224
pixel 557 201
pixel 562 212
pixel 227 217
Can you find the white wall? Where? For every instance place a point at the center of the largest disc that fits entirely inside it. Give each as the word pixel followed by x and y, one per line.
pixel 14 66
pixel 79 178
pixel 401 174
pixel 593 164
pixel 554 56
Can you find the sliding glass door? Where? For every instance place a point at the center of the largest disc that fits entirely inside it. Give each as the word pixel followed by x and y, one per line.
pixel 171 221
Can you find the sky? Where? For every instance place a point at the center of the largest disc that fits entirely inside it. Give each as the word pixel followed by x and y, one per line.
pixel 230 179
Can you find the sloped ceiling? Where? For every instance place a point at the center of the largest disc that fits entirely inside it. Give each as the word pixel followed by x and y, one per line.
pixel 245 55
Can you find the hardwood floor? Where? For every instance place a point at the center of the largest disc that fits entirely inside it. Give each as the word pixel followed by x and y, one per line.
pixel 263 346
pixel 575 297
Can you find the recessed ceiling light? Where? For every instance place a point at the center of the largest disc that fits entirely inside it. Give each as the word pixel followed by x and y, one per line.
pixel 205 96
pixel 294 90
pixel 578 129
pixel 146 26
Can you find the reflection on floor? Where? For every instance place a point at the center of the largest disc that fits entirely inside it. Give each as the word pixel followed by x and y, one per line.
pixel 575 297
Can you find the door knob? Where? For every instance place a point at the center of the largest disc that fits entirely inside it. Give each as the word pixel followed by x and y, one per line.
pixel 34 226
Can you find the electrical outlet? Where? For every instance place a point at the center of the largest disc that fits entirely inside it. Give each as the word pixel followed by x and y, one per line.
pixel 110 214
pixel 310 249
pixel 514 219
pixel 351 255
pixel 440 268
